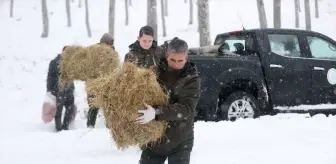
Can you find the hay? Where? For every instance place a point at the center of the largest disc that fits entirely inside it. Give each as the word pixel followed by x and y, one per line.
pixel 121 94
pixel 119 90
pixel 85 63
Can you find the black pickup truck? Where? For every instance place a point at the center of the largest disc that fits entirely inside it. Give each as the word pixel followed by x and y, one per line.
pixel 249 73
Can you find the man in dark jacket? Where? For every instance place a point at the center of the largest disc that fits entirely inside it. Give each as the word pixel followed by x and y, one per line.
pixel 180 79
pixel 107 40
pixel 144 51
pixel 63 97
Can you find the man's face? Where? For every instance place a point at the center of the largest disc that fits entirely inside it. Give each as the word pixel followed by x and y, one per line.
pixel 146 41
pixel 176 60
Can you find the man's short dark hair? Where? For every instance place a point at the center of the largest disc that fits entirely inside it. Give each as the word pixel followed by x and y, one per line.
pixel 146 30
pixel 177 46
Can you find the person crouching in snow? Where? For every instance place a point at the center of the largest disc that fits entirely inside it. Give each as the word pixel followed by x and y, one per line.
pixel 62 98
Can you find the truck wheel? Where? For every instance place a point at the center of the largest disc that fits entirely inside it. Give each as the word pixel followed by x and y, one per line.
pixel 239 105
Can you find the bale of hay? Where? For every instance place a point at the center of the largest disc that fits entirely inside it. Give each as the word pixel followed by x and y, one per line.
pixel 121 94
pixel 84 63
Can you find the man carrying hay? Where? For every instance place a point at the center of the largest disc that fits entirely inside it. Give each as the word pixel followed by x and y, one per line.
pixel 180 79
pixel 144 51
pixel 107 40
pixel 64 97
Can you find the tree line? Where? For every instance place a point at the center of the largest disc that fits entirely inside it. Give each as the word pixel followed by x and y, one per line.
pixel 152 19
pixel 277 13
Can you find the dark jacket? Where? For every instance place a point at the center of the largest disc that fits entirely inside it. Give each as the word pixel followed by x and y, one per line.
pixel 184 92
pixel 53 76
pixel 145 58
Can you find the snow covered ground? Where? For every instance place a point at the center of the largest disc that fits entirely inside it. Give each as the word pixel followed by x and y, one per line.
pixel 24 57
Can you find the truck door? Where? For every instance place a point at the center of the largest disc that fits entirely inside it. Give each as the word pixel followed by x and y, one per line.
pixel 322 57
pixel 286 68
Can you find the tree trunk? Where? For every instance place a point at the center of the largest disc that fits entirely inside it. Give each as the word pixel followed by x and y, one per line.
pixel 317 15
pixel 262 14
pixel 11 10
pixel 111 17
pixel 80 3
pixel 68 12
pixel 297 16
pixel 299 4
pixel 204 23
pixel 166 7
pixel 152 16
pixel 191 12
pixel 185 1
pixel 307 15
pixel 277 13
pixel 148 10
pixel 198 16
pixel 164 30
pixel 130 2
pixel 45 19
pixel 87 19
pixel 126 12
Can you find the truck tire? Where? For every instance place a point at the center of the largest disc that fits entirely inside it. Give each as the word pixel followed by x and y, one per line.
pixel 239 105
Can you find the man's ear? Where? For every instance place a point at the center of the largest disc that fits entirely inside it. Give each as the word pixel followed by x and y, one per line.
pixel 138 38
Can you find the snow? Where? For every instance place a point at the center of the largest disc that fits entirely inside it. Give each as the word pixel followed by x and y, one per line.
pixel 24 59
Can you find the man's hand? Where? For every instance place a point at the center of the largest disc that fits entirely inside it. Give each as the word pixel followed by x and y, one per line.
pixel 148 115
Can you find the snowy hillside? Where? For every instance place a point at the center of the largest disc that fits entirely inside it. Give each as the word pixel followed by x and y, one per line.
pixel 24 58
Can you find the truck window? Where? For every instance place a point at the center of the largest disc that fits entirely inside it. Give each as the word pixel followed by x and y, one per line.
pixel 241 44
pixel 285 45
pixel 321 48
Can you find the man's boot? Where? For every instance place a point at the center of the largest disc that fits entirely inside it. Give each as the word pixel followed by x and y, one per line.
pixel 67 116
pixel 92 117
pixel 58 123
pixel 58 114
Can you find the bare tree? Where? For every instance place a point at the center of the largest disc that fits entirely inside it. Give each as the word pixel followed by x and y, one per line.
pixel 163 19
pixel 130 2
pixel 166 7
pixel 111 17
pixel 148 10
pixel 262 14
pixel 204 23
pixel 307 14
pixel 297 10
pixel 277 13
pixel 11 10
pixel 68 12
pixel 299 3
pixel 191 12
pixel 152 16
pixel 185 1
pixel 126 12
pixel 87 19
pixel 80 3
pixel 45 19
pixel 317 15
pixel 198 16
